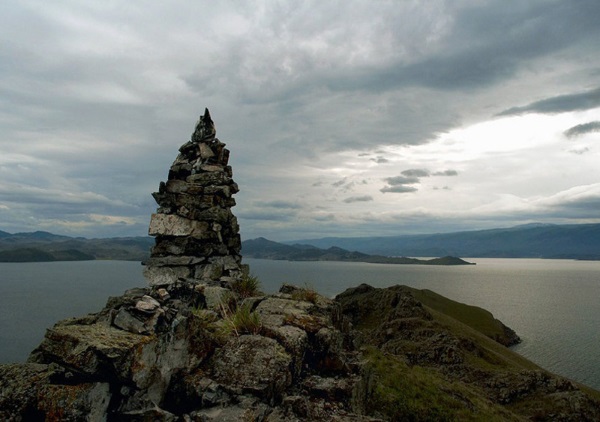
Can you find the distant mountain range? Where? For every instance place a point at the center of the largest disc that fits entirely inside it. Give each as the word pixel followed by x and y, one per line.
pixel 44 246
pixel 580 241
pixel 266 249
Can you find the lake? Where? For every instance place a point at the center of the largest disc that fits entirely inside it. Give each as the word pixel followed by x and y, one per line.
pixel 553 305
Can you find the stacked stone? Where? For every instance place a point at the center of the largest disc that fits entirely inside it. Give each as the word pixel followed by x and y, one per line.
pixel 197 236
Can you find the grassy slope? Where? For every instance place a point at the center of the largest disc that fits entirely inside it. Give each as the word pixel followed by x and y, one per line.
pixel 402 391
pixel 473 316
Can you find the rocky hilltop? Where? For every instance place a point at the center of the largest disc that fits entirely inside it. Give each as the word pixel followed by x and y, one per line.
pixel 201 343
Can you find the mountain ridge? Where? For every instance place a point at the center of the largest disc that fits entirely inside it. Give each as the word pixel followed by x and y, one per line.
pixel 574 241
pixel 262 248
pixel 534 240
pixel 42 246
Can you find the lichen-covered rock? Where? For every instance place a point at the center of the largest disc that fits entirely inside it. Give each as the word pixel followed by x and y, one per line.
pixel 29 392
pixel 255 364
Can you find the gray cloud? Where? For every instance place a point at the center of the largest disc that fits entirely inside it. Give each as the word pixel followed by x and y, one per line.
pixel 96 100
pixel 401 180
pixel 398 189
pixel 446 173
pixel 282 204
pixel 415 173
pixel 489 44
pixel 560 104
pixel 580 151
pixel 364 198
pixel 582 129
pixel 267 215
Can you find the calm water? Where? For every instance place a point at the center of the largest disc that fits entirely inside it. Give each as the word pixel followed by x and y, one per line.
pixel 34 296
pixel 552 304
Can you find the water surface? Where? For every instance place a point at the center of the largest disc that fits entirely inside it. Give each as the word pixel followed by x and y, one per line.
pixel 552 304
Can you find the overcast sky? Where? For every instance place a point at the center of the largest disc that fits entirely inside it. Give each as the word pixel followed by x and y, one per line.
pixel 344 118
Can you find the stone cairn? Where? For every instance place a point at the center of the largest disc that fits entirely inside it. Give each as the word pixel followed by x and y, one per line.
pixel 197 236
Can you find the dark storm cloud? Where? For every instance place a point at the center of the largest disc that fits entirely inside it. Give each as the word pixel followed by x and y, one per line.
pixel 365 198
pixel 560 104
pixel 488 44
pixel 415 173
pixel 95 100
pixel 582 129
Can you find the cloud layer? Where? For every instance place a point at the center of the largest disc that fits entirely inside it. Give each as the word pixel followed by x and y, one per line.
pixel 343 118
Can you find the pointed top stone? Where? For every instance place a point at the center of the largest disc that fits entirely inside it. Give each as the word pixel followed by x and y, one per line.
pixel 205 128
pixel 206 116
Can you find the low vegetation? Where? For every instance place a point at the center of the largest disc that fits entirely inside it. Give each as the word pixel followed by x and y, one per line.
pixel 307 294
pixel 247 286
pixel 240 321
pixel 415 393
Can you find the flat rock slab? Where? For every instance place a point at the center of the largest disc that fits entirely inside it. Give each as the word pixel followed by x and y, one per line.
pixel 90 349
pixel 174 225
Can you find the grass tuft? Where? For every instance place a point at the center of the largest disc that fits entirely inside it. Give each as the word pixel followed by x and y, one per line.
pixel 247 286
pixel 241 321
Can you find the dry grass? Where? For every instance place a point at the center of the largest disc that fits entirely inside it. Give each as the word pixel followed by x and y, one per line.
pixel 307 294
pixel 247 286
pixel 241 320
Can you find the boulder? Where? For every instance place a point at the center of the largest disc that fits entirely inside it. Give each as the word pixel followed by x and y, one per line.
pixel 253 364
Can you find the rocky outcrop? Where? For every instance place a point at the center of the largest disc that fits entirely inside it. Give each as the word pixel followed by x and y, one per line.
pixel 449 370
pixel 197 239
pixel 199 343
pixel 172 358
pixel 370 354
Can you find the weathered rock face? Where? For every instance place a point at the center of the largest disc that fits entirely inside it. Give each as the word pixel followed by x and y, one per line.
pixel 197 239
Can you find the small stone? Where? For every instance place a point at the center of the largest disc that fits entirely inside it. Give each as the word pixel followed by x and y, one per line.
pixel 147 305
pixel 206 151
pixel 127 322
pixel 163 294
pixel 211 168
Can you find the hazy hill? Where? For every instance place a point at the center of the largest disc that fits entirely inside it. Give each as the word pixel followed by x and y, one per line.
pixel 262 248
pixel 530 241
pixel 44 246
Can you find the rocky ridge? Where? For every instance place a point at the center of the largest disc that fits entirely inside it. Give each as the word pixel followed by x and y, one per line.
pixel 201 343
